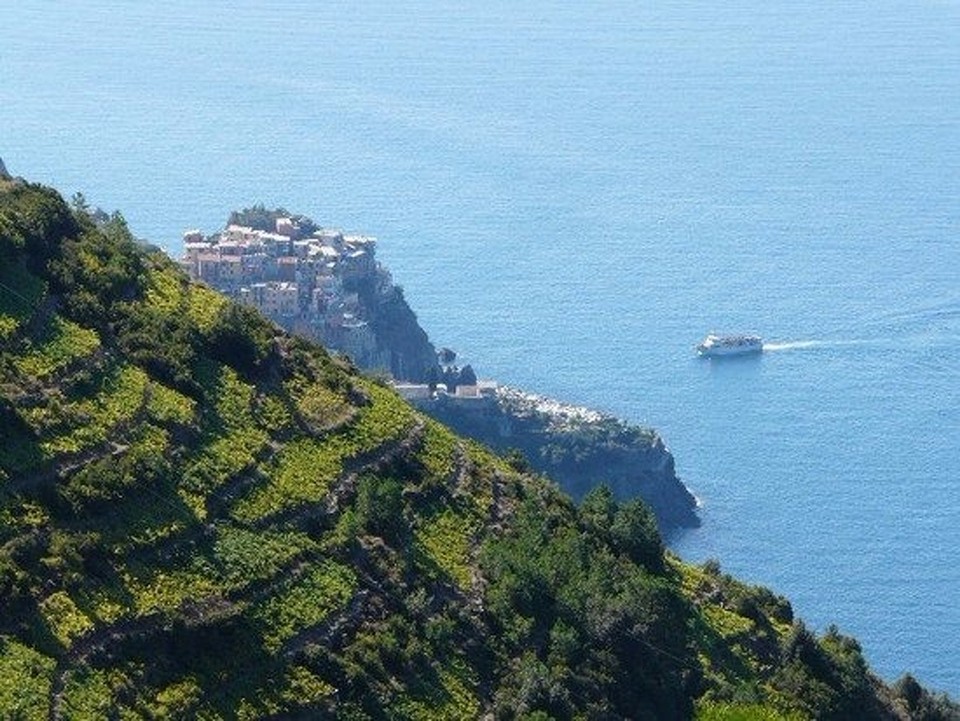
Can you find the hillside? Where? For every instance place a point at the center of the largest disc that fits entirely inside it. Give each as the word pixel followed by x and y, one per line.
pixel 329 287
pixel 203 517
pixel 576 447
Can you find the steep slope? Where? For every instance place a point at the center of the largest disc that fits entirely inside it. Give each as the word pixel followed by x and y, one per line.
pixel 576 447
pixel 329 287
pixel 202 517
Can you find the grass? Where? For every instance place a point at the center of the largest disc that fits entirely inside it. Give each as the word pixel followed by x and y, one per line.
pixel 25 681
pixel 59 343
pixel 446 539
pixel 65 621
pixel 305 602
pixel 70 426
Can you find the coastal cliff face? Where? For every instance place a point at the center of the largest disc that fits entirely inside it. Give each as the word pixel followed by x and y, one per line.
pixel 576 447
pixel 402 345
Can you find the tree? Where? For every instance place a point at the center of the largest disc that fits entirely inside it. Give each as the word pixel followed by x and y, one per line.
pixel 241 338
pixel 597 509
pixel 380 507
pixel 634 531
pixel 79 203
pixel 467 376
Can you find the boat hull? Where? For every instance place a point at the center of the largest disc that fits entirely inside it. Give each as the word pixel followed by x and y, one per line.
pixel 729 346
pixel 710 352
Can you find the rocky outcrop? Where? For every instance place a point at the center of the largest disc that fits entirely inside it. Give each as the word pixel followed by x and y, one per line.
pixel 4 175
pixel 401 345
pixel 577 447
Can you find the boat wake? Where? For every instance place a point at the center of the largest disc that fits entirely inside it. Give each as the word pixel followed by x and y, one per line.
pixel 793 345
pixel 804 344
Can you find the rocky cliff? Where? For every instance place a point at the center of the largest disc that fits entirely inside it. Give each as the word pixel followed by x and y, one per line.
pixel 577 447
pixel 400 344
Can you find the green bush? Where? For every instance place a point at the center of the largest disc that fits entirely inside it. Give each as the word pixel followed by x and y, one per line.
pixel 241 338
pixel 379 508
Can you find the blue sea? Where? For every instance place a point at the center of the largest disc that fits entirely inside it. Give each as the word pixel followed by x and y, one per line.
pixel 572 195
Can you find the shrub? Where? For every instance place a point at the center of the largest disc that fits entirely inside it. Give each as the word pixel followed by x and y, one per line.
pixel 241 338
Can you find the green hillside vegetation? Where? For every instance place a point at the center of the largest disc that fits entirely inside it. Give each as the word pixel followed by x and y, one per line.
pixel 203 517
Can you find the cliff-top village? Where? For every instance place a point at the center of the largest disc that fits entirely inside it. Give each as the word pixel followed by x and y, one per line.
pixel 286 277
pixel 309 284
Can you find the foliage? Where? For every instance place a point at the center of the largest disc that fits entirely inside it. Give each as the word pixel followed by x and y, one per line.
pixel 65 620
pixel 159 334
pixel 260 218
pixel 379 508
pixel 95 273
pixel 246 556
pixel 305 602
pixel 100 483
pixel 437 454
pixel 242 338
pixel 59 343
pixel 33 221
pixel 586 617
pixel 201 517
pixel 923 705
pixel 21 294
pixel 629 527
pixel 25 681
pixel 446 539
pixel 304 470
pixel 715 711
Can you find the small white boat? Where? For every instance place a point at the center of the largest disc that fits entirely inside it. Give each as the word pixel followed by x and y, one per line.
pixel 719 345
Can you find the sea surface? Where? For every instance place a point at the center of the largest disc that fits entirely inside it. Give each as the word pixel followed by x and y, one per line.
pixel 572 195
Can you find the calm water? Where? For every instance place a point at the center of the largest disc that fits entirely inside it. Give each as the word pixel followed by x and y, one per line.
pixel 572 196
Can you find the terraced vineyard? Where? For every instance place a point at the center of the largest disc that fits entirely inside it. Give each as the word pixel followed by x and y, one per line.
pixel 201 517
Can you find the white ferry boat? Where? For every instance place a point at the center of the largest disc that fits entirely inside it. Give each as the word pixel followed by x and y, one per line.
pixel 718 345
